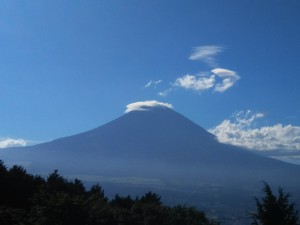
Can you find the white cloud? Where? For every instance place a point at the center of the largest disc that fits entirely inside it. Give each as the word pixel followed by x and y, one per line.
pixel 229 78
pixel 152 83
pixel 196 83
pixel 144 106
pixel 165 92
pixel 10 142
pixel 220 80
pixel 206 54
pixel 226 84
pixel 224 73
pixel 242 132
pixel 148 84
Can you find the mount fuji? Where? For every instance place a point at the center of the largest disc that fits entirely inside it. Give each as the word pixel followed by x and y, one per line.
pixel 154 147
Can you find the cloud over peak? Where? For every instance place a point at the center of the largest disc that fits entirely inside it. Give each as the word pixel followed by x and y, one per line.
pixel 146 105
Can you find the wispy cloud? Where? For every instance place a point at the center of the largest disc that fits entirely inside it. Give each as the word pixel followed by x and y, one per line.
pixel 206 54
pixel 146 105
pixel 219 80
pixel 229 78
pixel 152 83
pixel 241 132
pixel 165 92
pixel 10 142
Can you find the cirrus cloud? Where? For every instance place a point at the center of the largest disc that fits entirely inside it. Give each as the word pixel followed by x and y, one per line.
pixel 206 54
pixel 153 83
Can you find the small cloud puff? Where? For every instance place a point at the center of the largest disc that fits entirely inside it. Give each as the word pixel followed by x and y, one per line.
pixel 165 92
pixel 195 82
pixel 10 142
pixel 240 132
pixel 144 106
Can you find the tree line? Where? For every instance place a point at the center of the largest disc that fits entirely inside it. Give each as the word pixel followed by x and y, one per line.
pixel 26 199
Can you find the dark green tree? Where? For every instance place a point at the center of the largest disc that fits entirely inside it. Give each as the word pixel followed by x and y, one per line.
pixel 150 197
pixel 59 201
pixel 3 168
pixel 58 208
pixel 184 215
pixel 99 211
pixel 272 210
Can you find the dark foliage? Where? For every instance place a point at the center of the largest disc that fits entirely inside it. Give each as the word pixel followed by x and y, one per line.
pixel 274 210
pixel 32 200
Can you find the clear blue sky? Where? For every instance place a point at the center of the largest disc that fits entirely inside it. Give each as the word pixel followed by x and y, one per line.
pixel 69 66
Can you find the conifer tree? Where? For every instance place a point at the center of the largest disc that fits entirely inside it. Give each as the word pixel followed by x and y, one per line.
pixel 272 210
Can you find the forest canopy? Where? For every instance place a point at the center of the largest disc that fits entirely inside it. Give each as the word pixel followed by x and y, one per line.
pixel 54 200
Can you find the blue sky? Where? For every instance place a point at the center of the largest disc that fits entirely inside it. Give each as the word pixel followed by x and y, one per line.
pixel 69 66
